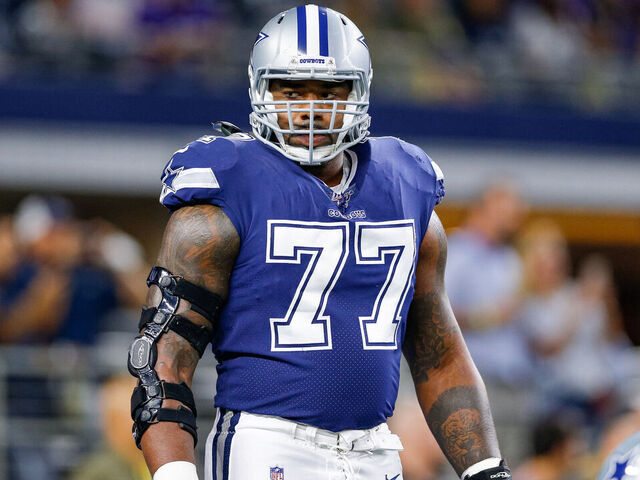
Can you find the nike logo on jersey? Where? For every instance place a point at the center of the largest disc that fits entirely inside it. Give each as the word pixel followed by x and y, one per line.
pixel 393 478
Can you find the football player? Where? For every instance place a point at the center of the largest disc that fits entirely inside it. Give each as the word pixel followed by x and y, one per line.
pixel 310 257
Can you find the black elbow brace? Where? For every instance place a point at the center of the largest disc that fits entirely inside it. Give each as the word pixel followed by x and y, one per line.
pixel 148 396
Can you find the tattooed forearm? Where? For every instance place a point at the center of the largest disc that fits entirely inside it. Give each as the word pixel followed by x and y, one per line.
pixel 201 244
pixel 461 422
pixel 427 336
pixel 177 359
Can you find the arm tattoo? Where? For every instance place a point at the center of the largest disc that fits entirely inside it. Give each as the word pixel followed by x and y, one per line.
pixel 426 337
pixel 201 244
pixel 176 355
pixel 460 427
pixel 430 323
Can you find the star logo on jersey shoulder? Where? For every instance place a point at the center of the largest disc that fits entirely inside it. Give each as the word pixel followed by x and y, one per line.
pixel 169 175
pixel 620 470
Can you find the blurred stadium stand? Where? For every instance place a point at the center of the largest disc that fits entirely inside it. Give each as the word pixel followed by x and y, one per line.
pixel 95 95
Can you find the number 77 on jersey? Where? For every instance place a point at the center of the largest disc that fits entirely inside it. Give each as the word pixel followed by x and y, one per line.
pixel 326 247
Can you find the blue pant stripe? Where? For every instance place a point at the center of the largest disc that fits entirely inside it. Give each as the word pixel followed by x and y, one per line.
pixel 302 29
pixel 214 447
pixel 324 31
pixel 227 445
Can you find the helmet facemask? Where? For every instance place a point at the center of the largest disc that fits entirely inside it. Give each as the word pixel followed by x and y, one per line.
pixel 355 120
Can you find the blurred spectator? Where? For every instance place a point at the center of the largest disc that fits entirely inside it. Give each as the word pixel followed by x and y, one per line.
pixel 548 45
pixel 483 279
pixel 555 451
pixel 568 325
pixel 8 253
pixel 60 281
pixel 484 21
pixel 108 31
pixel 54 294
pixel 179 38
pixel 116 252
pixel 428 53
pixel 596 289
pixel 47 34
pixel 117 458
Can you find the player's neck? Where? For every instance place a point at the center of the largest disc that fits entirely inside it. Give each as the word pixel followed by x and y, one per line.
pixel 330 172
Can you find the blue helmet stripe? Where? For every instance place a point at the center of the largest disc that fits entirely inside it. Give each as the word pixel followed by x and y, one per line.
pixel 324 31
pixel 302 29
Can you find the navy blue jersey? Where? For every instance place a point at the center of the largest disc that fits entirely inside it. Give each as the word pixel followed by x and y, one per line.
pixel 322 284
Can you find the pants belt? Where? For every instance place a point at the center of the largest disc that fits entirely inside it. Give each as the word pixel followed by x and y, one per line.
pixel 357 441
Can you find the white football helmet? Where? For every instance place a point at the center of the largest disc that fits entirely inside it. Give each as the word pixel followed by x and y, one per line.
pixel 624 462
pixel 310 43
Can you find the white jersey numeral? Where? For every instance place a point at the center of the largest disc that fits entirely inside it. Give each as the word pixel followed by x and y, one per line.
pixel 305 326
pixel 326 246
pixel 377 243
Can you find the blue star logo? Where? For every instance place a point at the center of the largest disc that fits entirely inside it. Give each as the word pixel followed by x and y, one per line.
pixel 620 470
pixel 261 36
pixel 363 41
pixel 169 175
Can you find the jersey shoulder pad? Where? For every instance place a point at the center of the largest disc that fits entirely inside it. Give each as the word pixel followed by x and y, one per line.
pixel 201 171
pixel 418 161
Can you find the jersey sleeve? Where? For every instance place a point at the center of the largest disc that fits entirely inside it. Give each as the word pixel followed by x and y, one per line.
pixel 431 173
pixel 202 172
pixel 439 177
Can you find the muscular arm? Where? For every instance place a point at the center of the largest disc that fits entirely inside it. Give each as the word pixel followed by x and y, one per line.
pixel 201 244
pixel 449 388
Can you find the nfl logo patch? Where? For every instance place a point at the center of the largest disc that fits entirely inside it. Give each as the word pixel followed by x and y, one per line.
pixel 277 473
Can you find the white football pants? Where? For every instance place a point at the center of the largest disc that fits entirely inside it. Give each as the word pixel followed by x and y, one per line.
pixel 244 446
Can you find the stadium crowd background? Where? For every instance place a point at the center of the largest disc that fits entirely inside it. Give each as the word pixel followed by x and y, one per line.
pixel 543 271
pixel 579 52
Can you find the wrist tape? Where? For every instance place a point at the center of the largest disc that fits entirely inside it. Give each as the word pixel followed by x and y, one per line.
pixel 489 469
pixel 176 471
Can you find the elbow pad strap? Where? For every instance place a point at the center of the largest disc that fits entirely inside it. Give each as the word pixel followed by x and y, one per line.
pixel 198 336
pixel 185 419
pixel 202 301
pixel 165 390
pixel 146 408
